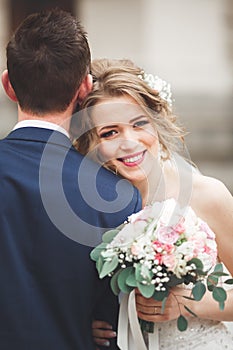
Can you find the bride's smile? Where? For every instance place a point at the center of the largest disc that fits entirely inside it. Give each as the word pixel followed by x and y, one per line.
pixel 133 160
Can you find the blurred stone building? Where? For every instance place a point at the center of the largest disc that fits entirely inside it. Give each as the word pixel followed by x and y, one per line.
pixel 188 43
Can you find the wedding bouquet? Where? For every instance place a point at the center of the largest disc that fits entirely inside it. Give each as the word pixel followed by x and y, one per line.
pixel 158 248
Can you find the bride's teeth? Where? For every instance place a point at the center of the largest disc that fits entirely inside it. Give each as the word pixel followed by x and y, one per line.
pixel 133 159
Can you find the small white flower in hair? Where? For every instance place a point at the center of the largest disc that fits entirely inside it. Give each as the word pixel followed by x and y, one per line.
pixel 158 84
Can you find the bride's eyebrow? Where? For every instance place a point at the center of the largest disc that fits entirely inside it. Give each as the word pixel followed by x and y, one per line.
pixel 107 127
pixel 116 125
pixel 138 118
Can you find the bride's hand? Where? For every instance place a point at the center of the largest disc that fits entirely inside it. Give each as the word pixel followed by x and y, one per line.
pixel 151 310
pixel 102 332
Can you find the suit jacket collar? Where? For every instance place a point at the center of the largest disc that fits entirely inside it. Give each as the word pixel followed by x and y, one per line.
pixel 40 135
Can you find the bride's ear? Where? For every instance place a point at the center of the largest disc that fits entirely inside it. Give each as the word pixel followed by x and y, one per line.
pixel 8 87
pixel 85 88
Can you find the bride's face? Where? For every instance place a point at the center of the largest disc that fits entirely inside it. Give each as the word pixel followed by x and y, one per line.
pixel 128 141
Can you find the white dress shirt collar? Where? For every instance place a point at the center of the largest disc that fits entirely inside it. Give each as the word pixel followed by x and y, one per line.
pixel 40 124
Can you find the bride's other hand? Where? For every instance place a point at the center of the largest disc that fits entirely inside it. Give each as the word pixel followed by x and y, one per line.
pixel 151 309
pixel 102 332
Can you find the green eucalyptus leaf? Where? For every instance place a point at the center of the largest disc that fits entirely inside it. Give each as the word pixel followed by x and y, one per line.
pixel 146 273
pixel 174 281
pixel 114 284
pixel 182 323
pixel 197 262
pixel 200 272
pixel 159 296
pixel 131 280
pixel 146 326
pixel 221 305
pixel 109 235
pixel 122 277
pixel 99 264
pixel 95 253
pixel 229 281
pixel 198 291
pixel 147 290
pixel 219 294
pixel 212 281
pixel 219 273
pixel 218 268
pixel 138 270
pixel 190 311
pixel 121 226
pixel 109 266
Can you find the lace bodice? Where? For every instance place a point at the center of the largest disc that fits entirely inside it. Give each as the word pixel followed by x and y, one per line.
pixel 200 335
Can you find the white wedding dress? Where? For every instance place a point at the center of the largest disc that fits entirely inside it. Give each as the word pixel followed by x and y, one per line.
pixel 200 335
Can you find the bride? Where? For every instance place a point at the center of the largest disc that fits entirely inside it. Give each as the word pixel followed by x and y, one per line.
pixel 128 126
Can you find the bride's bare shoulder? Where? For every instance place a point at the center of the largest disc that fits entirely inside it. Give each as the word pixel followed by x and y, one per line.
pixel 210 193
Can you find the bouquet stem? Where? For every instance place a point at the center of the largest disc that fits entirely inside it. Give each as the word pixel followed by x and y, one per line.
pixel 146 326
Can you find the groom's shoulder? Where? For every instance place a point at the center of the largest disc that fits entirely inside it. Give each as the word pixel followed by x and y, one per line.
pixel 91 169
pixel 92 177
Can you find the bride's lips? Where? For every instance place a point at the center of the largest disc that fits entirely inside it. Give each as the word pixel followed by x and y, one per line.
pixel 133 159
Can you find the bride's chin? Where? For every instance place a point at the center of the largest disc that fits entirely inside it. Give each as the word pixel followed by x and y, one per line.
pixel 134 178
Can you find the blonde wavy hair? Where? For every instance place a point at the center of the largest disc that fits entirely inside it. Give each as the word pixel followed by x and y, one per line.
pixel 117 78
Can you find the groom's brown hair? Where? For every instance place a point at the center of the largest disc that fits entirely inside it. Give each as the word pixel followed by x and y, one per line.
pixel 47 59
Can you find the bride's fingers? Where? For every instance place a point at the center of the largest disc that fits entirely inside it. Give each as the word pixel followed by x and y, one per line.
pixel 155 314
pixel 147 301
pixel 153 318
pixel 148 310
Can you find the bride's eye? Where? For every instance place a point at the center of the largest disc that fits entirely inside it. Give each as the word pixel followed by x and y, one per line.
pixel 141 123
pixel 108 134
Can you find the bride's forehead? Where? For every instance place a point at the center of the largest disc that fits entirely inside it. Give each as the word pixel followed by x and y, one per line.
pixel 117 110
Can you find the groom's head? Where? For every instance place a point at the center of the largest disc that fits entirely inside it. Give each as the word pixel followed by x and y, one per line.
pixel 47 59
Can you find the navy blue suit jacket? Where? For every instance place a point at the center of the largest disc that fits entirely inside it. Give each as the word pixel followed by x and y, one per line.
pixel 54 206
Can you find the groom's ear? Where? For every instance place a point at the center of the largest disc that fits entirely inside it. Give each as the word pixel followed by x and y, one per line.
pixel 8 87
pixel 85 88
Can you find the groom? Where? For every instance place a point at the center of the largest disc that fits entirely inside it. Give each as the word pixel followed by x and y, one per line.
pixel 55 204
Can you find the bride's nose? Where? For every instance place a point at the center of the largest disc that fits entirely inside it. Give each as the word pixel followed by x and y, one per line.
pixel 128 144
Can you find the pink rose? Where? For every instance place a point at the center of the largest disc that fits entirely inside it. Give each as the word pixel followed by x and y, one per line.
pixel 167 235
pixel 211 253
pixel 205 228
pixel 198 244
pixel 169 261
pixel 179 227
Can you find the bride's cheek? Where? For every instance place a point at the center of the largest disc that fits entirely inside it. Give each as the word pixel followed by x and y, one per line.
pixel 104 152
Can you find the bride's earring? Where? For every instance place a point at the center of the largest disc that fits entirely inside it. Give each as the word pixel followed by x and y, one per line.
pixel 163 155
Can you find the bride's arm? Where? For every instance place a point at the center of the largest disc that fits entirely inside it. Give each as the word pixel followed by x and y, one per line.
pixel 207 308
pixel 219 216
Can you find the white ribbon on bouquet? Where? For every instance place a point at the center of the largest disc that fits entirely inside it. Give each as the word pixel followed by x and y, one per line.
pixel 129 332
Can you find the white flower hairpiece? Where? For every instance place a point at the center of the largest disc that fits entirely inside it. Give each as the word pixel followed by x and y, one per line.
pixel 160 85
